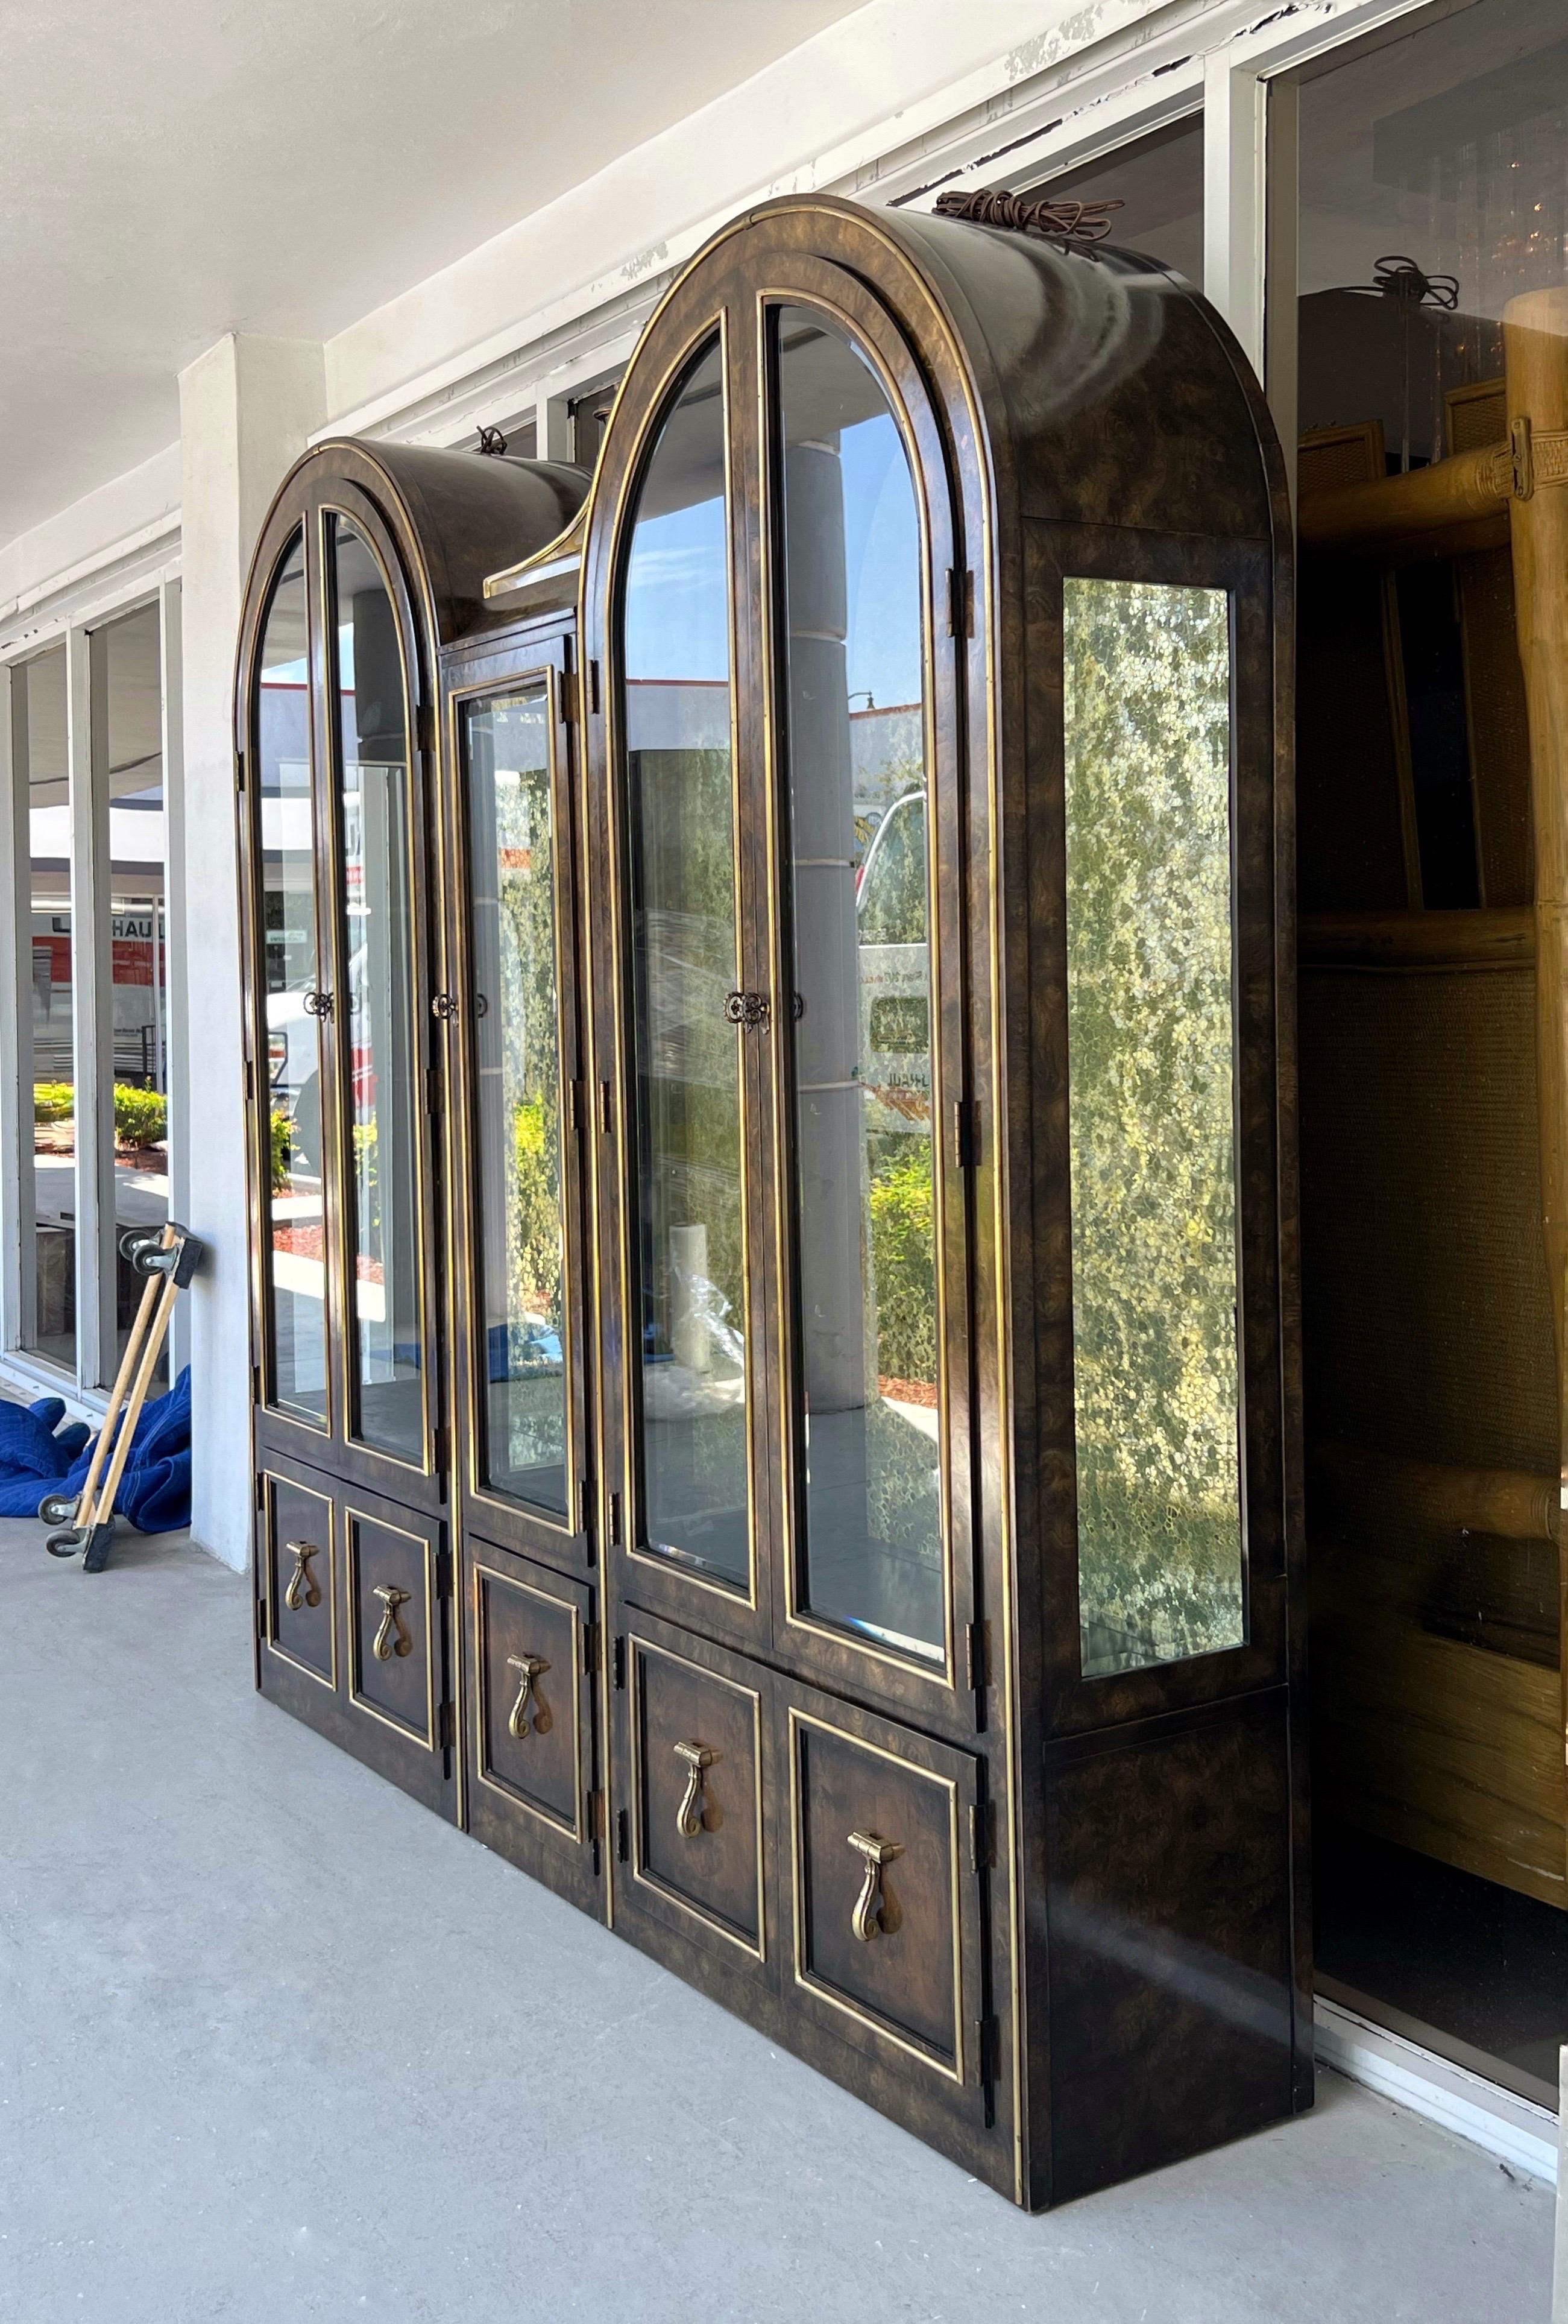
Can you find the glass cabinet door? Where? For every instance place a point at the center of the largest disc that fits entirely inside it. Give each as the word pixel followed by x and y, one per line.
pixel 864 1190
pixel 515 868
pixel 377 1042
pixel 680 842
pixel 294 1215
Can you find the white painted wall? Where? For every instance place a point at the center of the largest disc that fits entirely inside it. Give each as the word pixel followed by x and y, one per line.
pixel 246 409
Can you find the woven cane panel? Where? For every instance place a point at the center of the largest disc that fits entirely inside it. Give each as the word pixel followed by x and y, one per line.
pixel 1427 1323
pixel 1476 415
pixel 1500 737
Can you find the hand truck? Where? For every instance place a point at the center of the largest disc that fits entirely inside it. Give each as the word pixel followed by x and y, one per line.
pixel 167 1257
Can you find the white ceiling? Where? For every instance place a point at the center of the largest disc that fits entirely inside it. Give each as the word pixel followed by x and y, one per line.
pixel 172 169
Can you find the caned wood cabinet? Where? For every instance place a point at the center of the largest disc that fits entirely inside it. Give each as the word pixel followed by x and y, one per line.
pixel 771 1081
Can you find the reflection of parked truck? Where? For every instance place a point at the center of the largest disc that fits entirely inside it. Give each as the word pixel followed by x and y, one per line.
pixel 895 971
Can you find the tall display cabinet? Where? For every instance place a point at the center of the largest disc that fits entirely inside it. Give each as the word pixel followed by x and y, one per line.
pixel 857 1176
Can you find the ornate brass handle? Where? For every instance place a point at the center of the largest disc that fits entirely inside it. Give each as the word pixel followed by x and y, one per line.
pixel 531 1665
pixel 303 1588
pixel 866 1920
pixel 318 1004
pixel 688 1816
pixel 392 1637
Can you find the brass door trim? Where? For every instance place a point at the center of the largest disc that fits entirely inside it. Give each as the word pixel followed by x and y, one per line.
pixel 429 1739
pixel 479 1573
pixel 638 1650
pixel 714 325
pixel 958 2070
pixel 269 1536
pixel 791 1530
pixel 331 512
pixel 483 1495
pixel 298 529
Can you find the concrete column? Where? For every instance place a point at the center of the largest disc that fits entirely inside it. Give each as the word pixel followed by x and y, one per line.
pixel 246 409
pixel 831 1148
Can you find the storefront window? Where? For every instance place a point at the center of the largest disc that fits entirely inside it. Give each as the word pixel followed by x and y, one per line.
pixel 132 943
pixel 46 1324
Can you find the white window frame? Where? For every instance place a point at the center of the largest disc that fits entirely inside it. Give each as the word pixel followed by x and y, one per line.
pixel 85 1389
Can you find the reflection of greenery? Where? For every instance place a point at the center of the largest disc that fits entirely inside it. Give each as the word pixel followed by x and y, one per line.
pixel 141 1115
pixel 904 1263
pixel 53 1101
pixel 282 1151
pixel 530 1042
pixel 1154 1223
pixel 533 1251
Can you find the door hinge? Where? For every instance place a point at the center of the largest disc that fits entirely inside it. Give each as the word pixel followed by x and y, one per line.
pixel 256 1383
pixel 425 726
pixel 443 1571
pixel 261 1631
pixel 988 2043
pixel 590 1649
pixel 448 1725
pixel 982 1836
pixel 615 1520
pixel 577 1109
pixel 977 1656
pixel 966 1133
pixel 239 770
pixel 605 1115
pixel 261 1489
pixel 960 603
pixel 623 1836
pixel 594 687
pixel 250 1080
pixel 620 1665
pixel 596 1816
pixel 440 1451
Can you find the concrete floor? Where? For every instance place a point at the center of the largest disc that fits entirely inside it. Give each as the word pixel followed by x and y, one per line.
pixel 276 2044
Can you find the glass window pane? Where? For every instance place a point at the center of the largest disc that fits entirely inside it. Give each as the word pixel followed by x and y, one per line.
pixel 376 1036
pixel 1159 180
pixel 1151 1090
pixel 686 1058
pixel 516 990
pixel 47 1324
pixel 127 663
pixel 865 1191
pixel 296 1227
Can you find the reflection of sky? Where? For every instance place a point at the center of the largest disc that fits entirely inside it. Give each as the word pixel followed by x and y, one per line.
pixel 676 615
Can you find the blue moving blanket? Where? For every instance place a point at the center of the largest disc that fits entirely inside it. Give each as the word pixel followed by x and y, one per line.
pixel 38 1456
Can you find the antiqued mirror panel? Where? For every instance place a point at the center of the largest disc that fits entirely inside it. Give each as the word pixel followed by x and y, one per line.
pixel 680 844
pixel 514 980
pixel 377 1041
pixel 865 1184
pixel 295 1224
pixel 1151 1080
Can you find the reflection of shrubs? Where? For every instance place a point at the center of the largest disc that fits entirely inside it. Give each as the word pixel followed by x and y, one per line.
pixel 53 1101
pixel 903 1224
pixel 282 1150
pixel 534 1228
pixel 141 1115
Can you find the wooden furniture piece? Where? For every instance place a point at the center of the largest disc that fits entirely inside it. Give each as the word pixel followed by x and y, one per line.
pixel 1434 1130
pixel 856 909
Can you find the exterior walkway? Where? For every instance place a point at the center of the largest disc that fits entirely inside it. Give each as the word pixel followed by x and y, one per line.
pixel 276 2044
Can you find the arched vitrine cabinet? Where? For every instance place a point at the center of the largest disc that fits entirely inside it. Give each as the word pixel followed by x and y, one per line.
pixel 934 592
pixel 371 559
pixel 852 1487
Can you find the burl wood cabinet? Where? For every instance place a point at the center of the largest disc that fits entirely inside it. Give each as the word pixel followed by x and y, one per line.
pixel 819 1482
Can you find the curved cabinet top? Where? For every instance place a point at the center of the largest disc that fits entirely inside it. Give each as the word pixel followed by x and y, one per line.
pixel 454 517
pixel 1096 387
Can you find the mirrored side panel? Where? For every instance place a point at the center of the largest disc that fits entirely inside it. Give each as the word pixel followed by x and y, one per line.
pixel 378 1047
pixel 679 828
pixel 514 860
pixel 865 1195
pixel 1152 1083
pixel 294 1222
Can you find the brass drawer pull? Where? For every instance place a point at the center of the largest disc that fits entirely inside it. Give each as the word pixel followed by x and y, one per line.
pixel 392 1637
pixel 866 1920
pixel 531 1667
pixel 303 1588
pixel 688 1816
